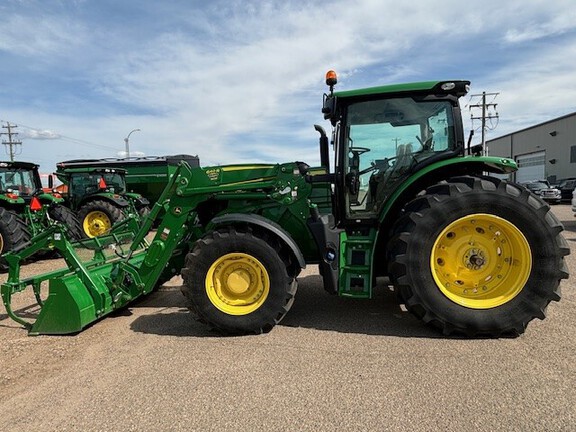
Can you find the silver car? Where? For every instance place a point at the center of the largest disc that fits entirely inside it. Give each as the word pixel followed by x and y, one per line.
pixel 543 189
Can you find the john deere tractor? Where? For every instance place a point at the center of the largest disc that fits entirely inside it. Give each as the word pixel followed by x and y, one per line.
pixel 26 209
pixel 467 252
pixel 99 196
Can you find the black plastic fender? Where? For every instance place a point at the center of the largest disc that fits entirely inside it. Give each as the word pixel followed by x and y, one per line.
pixel 253 219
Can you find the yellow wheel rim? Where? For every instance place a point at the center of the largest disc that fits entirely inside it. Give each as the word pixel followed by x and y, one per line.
pixel 1 244
pixel 481 261
pixel 96 223
pixel 237 284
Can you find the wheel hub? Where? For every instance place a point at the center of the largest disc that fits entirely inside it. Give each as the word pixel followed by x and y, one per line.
pixel 238 281
pixel 475 259
pixel 481 261
pixel 237 284
pixel 96 223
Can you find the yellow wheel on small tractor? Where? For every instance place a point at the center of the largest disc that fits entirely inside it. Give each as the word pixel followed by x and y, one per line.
pixel 96 223
pixel 477 256
pixel 98 216
pixel 237 284
pixel 481 261
pixel 238 281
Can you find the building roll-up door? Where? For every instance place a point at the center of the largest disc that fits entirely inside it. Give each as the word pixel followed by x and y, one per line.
pixel 531 166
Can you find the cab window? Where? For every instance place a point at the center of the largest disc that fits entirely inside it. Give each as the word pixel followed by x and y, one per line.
pixel 385 139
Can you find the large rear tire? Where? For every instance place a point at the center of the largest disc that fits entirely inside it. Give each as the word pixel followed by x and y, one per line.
pixel 13 234
pixel 97 217
pixel 64 215
pixel 238 282
pixel 478 256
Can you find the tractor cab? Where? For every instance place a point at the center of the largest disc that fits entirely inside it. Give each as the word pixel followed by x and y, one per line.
pixel 383 135
pixel 19 179
pixel 99 196
pixel 83 183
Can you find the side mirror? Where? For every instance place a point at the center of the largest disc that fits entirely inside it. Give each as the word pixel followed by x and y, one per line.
pixel 329 109
pixel 50 181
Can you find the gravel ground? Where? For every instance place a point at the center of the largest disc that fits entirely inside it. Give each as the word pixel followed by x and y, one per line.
pixel 332 364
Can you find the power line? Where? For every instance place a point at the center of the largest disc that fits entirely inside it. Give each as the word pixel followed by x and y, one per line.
pixel 12 143
pixel 486 115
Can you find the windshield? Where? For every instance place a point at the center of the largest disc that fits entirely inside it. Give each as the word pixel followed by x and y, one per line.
pixel 385 139
pixel 88 183
pixel 17 180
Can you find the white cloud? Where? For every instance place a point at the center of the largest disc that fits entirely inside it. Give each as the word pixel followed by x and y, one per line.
pixel 40 37
pixel 552 21
pixel 40 134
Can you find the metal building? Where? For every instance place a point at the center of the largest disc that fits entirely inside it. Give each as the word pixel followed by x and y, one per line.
pixel 544 151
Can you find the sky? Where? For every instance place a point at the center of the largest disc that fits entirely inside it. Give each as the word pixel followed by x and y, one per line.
pixel 241 81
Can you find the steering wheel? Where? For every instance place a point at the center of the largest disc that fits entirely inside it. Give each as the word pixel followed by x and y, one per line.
pixel 357 151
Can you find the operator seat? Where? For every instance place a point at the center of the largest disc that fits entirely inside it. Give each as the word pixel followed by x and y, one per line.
pixel 403 157
pixel 387 173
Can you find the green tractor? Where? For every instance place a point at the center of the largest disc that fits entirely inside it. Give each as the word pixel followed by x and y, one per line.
pixel 26 209
pixel 99 197
pixel 146 175
pixel 403 204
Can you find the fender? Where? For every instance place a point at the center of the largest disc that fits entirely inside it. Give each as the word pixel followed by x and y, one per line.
pixel 438 170
pixel 139 200
pixel 48 198
pixel 267 224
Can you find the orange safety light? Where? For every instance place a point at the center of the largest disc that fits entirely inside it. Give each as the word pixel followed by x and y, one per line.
pixel 331 78
pixel 102 183
pixel 35 204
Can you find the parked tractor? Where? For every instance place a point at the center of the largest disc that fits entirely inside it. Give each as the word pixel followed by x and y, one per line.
pixel 466 252
pixel 99 196
pixel 26 209
pixel 145 175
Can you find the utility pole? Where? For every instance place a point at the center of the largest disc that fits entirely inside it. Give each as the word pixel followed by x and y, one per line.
pixel 396 143
pixel 11 143
pixel 486 115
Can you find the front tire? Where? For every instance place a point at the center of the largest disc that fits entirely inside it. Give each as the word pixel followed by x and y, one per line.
pixel 478 256
pixel 238 282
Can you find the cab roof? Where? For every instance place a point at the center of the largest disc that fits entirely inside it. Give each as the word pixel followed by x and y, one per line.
pixel 459 88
